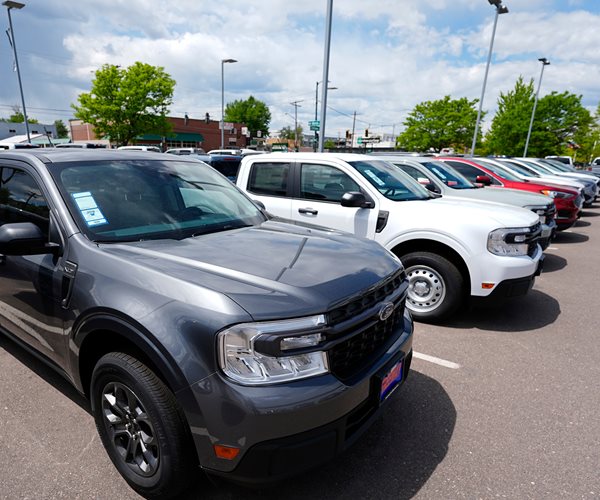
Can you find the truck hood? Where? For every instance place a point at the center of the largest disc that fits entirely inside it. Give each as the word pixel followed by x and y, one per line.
pixel 272 270
pixel 508 196
pixel 487 216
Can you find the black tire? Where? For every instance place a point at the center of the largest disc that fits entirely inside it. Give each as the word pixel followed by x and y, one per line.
pixel 436 286
pixel 149 444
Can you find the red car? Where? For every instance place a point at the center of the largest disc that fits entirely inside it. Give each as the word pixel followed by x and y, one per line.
pixel 568 201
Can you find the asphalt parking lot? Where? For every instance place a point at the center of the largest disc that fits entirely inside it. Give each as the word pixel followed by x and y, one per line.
pixel 501 402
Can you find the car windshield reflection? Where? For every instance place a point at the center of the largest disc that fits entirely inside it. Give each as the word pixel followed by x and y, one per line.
pixel 122 200
pixel 390 181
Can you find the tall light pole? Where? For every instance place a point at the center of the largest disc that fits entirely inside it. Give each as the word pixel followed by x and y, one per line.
pixel 316 105
pixel 544 62
pixel 16 5
pixel 223 62
pixel 500 9
pixel 325 72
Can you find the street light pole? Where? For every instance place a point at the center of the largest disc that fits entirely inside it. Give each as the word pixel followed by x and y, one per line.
pixel 223 62
pixel 16 5
pixel 325 72
pixel 544 62
pixel 500 9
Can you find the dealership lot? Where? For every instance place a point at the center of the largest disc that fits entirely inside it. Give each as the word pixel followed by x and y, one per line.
pixel 507 407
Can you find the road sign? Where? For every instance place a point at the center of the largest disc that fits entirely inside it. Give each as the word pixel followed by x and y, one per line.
pixel 314 124
pixel 368 140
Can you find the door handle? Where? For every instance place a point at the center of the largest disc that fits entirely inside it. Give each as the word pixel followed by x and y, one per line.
pixel 310 211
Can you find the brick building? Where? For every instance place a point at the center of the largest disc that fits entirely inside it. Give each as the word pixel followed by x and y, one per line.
pixel 187 132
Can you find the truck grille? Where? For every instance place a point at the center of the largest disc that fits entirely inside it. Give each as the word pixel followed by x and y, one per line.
pixel 361 335
pixel 533 238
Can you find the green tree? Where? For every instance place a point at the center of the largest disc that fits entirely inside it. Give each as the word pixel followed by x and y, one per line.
pixel 126 103
pixel 559 119
pixel 18 116
pixel 288 133
pixel 329 144
pixel 253 113
pixel 61 129
pixel 508 131
pixel 440 124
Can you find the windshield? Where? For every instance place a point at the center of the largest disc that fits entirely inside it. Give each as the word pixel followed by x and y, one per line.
pixel 520 169
pixel 390 181
pixel 498 170
pixel 449 176
pixel 557 165
pixel 132 200
pixel 536 168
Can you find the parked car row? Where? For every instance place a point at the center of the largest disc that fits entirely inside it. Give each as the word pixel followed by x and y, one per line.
pixel 254 331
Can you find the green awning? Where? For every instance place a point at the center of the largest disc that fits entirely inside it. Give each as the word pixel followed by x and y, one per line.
pixel 180 136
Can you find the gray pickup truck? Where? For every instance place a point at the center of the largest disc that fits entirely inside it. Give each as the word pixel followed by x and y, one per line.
pixel 204 332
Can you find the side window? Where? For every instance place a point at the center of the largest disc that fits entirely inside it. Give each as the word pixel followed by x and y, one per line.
pixel 270 179
pixel 468 171
pixel 321 182
pixel 413 172
pixel 21 199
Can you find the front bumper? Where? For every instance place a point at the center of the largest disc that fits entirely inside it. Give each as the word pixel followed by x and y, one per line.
pixel 495 270
pixel 513 287
pixel 284 429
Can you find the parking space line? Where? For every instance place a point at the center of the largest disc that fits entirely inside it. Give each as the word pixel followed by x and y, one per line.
pixel 552 248
pixel 437 361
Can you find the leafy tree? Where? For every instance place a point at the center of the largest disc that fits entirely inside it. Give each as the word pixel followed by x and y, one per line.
pixel 439 124
pixel 18 116
pixel 126 103
pixel 329 144
pixel 559 119
pixel 61 129
pixel 253 113
pixel 510 124
pixel 288 133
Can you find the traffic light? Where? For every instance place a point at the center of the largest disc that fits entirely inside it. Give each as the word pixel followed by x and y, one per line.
pixel 366 132
pixel 347 134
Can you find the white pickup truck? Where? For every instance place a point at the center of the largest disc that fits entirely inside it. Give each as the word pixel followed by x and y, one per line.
pixel 451 249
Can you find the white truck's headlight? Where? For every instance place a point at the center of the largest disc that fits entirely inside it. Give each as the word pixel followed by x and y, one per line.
pixel 257 353
pixel 509 241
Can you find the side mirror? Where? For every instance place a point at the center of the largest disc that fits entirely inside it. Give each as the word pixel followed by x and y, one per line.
pixel 484 180
pixel 355 199
pixel 24 238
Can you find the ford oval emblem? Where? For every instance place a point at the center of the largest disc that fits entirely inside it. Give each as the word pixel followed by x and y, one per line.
pixel 387 309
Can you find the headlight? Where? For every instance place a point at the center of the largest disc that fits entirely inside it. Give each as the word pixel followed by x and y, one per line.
pixel 509 241
pixel 555 194
pixel 540 211
pixel 256 353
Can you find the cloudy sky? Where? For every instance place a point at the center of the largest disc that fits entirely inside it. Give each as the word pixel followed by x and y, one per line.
pixel 386 55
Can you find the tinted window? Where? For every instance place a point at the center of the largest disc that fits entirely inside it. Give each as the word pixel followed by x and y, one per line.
pixel 270 179
pixel 390 181
pixel 322 182
pixel 21 199
pixel 127 200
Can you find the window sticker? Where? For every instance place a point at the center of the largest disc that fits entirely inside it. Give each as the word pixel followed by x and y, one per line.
pixel 374 178
pixel 88 207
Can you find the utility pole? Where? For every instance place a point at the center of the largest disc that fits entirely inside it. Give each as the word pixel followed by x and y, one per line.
pixel 325 79
pixel 353 125
pixel 296 106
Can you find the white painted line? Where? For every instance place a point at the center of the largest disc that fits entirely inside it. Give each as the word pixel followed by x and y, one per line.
pixel 552 248
pixel 437 361
pixel 567 231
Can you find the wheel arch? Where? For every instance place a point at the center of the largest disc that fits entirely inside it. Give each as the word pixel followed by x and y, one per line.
pixel 105 332
pixel 425 245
